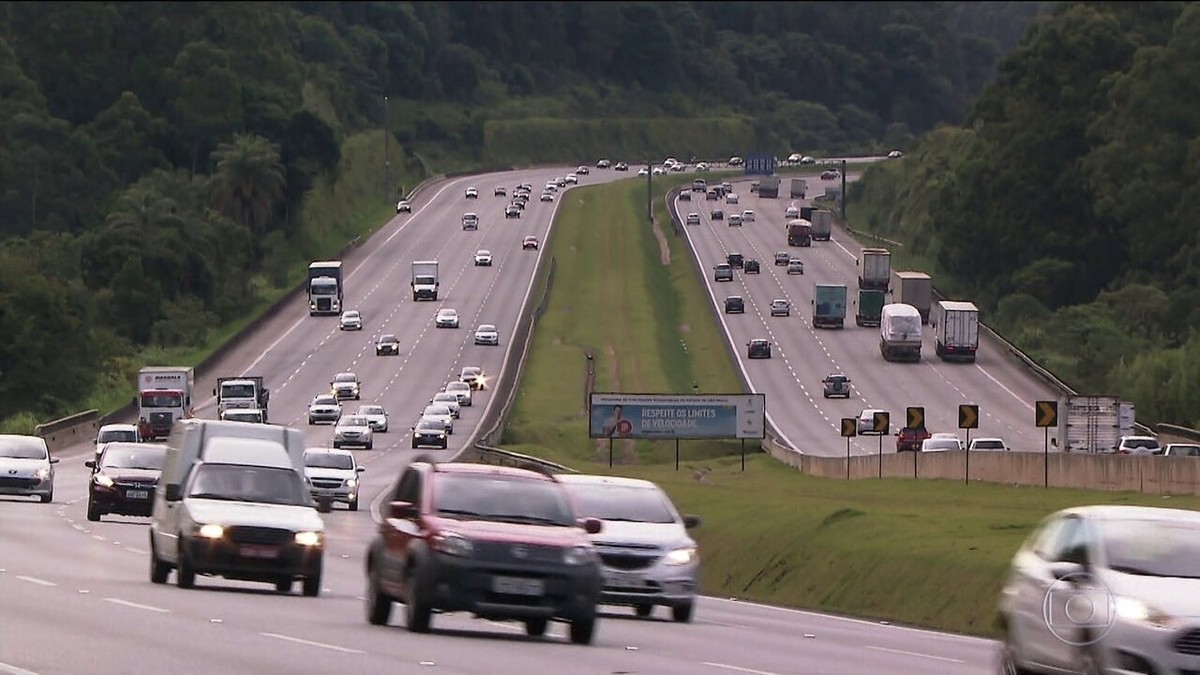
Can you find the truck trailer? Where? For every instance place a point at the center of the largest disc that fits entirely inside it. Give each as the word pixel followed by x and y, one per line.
pixel 822 223
pixel 799 233
pixel 768 186
pixel 829 306
pixel 956 330
pixel 875 269
pixel 799 188
pixel 916 289
pixel 870 307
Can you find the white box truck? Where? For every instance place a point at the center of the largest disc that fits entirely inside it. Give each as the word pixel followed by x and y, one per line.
pixel 875 269
pixel 900 333
pixel 165 396
pixel 425 280
pixel 955 330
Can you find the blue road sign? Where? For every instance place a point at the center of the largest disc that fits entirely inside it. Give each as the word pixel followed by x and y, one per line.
pixel 760 165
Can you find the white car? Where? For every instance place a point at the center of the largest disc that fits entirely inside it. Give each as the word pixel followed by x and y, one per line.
pixel 748 216
pixel 462 390
pixel 346 385
pixel 658 171
pixel 550 187
pixel 795 266
pixel 988 444
pixel 572 179
pixel 403 206
pixel 866 420
pixel 351 320
pixel 643 172
pixel 353 430
pixel 501 191
pixel 1138 445
pixel 731 198
pixel 795 157
pixel 582 170
pixel 324 408
pixel 941 444
pixel 735 220
pixel 693 218
pixel 472 193
pixel 376 417
pixel 472 375
pixel 603 164
pixel 125 433
pixel 808 160
pixel 483 258
pixel 895 154
pixel 791 213
pixel 332 475
pixel 736 161
pixel 781 307
pixel 547 196
pixel 487 334
pixel 437 411
pixel 702 166
pixel 450 400
pixel 27 467
pixel 446 318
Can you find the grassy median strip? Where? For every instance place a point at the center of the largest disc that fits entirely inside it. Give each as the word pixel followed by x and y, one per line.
pixel 929 553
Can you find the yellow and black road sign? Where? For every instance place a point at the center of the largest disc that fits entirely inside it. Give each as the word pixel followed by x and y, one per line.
pixel 1046 414
pixel 849 427
pixel 916 417
pixel 881 422
pixel 968 416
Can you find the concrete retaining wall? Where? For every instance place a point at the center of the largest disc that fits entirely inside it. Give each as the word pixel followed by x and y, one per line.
pixel 78 428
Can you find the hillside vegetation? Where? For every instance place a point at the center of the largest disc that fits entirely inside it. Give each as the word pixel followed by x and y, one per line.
pixel 166 169
pixel 1067 205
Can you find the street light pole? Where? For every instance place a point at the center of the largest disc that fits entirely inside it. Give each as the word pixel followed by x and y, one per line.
pixel 387 152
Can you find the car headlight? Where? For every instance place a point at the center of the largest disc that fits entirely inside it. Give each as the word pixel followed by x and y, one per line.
pixel 681 556
pixel 101 480
pixel 211 531
pixel 451 543
pixel 351 482
pixel 579 555
pixel 44 472
pixel 308 538
pixel 1136 610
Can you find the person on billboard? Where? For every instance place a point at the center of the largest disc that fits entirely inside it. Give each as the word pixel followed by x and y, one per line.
pixel 615 425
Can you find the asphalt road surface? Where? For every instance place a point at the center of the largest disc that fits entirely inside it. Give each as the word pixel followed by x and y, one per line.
pixel 75 596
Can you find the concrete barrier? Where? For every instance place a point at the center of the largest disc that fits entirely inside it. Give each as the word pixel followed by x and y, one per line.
pixel 67 431
pixel 1171 433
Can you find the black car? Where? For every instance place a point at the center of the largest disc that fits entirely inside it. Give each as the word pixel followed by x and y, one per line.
pixel 750 266
pixel 621 166
pixel 758 348
pixel 387 345
pixel 494 541
pixel 735 305
pixel 735 259
pixel 124 479
pixel 429 432
pixel 717 214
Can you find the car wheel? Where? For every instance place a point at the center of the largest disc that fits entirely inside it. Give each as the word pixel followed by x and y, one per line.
pixel 379 605
pixel 283 585
pixel 354 504
pixel 312 582
pixel 1009 663
pixel 644 610
pixel 414 444
pixel 93 512
pixel 535 627
pixel 158 569
pixel 47 498
pixel 311 421
pixel 582 631
pixel 682 613
pixel 418 615
pixel 371 445
pixel 337 446
pixel 185 574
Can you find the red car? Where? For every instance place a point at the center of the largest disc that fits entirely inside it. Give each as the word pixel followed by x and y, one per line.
pixel 530 243
pixel 498 542
pixel 909 439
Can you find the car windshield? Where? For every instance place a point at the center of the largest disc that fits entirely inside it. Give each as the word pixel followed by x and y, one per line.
pixel 447 312
pixel 445 397
pixel 344 377
pixel 619 502
pixel 242 416
pixel 504 499
pixel 457 386
pixel 940 444
pixel 1178 449
pixel 758 343
pixel 370 410
pixel 836 379
pixel 161 400
pixel 470 371
pixel 487 328
pixel 325 400
pixel 436 411
pixel 353 421
pixel 1141 443
pixel 124 435
pixel 989 444
pixel 328 460
pixel 150 458
pixel 389 338
pixel 430 425
pixel 1156 548
pixel 247 483
pixel 351 315
pixel 22 448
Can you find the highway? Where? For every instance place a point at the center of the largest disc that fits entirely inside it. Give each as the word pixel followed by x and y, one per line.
pixel 802 355
pixel 75 596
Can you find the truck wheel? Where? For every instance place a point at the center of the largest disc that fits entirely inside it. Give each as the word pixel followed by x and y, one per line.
pixel 283 585
pixel 379 605
pixel 682 613
pixel 535 627
pixel 644 610
pixel 582 631
pixel 158 569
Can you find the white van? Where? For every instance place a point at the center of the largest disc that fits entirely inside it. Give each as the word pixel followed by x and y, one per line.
pixel 190 437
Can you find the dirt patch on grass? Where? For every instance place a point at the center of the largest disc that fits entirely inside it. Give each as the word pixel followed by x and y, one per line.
pixel 624 450
pixel 664 248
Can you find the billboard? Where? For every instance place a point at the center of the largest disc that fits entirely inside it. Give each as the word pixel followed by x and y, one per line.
pixel 681 416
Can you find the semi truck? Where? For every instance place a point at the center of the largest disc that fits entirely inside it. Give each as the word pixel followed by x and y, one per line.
pixel 1095 424
pixel 325 287
pixel 806 213
pixel 799 233
pixel 956 330
pixel 425 280
pixel 768 186
pixel 829 306
pixel 900 332
pixel 822 222
pixel 799 188
pixel 870 307
pixel 916 289
pixel 243 392
pixel 164 396
pixel 875 269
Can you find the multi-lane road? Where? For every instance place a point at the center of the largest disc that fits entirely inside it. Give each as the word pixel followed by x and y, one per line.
pixel 803 355
pixel 75 595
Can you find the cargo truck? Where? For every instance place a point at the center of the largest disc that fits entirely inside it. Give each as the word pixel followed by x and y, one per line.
pixel 325 287
pixel 955 330
pixel 829 306
pixel 243 392
pixel 425 280
pixel 1094 424
pixel 768 186
pixel 870 306
pixel 806 213
pixel 900 333
pixel 799 188
pixel 799 233
pixel 875 269
pixel 822 222
pixel 164 396
pixel 916 289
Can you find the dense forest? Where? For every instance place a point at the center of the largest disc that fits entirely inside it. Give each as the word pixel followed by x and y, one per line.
pixel 166 167
pixel 1067 205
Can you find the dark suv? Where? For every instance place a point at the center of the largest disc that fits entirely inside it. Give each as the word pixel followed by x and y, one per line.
pixel 735 305
pixel 909 439
pixel 750 266
pixel 499 542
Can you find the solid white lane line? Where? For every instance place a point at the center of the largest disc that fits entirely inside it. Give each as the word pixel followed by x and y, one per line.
pixel 135 605
pixel 14 670
pixel 924 656
pixel 35 580
pixel 310 643
pixel 738 669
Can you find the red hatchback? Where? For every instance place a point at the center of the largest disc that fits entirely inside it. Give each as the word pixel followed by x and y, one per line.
pixel 909 439
pixel 499 542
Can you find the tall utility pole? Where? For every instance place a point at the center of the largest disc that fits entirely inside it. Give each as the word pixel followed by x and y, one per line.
pixel 843 200
pixel 387 153
pixel 649 194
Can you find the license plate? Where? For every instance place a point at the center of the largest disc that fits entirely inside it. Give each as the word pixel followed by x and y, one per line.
pixel 259 552
pixel 624 579
pixel 137 494
pixel 518 586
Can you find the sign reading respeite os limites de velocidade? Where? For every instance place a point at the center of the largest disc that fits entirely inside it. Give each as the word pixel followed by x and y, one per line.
pixel 682 416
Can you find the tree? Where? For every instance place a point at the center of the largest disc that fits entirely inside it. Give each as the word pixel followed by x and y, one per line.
pixel 209 104
pixel 127 138
pixel 249 181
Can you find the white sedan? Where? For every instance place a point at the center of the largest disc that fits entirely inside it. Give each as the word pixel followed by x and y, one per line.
pixel 487 334
pixel 748 215
pixel 472 193
pixel 446 318
pixel 483 258
pixel 376 417
pixel 462 390
pixel 441 413
pixel 353 430
pixel 351 320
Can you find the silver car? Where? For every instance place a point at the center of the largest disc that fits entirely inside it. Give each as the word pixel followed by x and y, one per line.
pixel 1105 589
pixel 437 411
pixel 324 408
pixel 346 385
pixel 353 430
pixel 648 558
pixel 462 390
pixel 446 318
pixel 351 320
pixel 487 334
pixel 332 475
pixel 450 400
pixel 376 416
pixel 26 467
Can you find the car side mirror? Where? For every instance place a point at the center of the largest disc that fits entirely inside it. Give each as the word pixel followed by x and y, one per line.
pixel 174 492
pixel 1064 570
pixel 592 525
pixel 214 391
pixel 691 521
pixel 54 460
pixel 360 469
pixel 91 464
pixel 403 510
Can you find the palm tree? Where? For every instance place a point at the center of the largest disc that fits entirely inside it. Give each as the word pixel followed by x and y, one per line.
pixel 249 181
pixel 144 210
